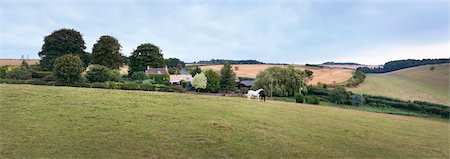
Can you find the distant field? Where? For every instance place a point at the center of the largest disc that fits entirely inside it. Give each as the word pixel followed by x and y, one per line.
pixel 17 62
pixel 68 122
pixel 323 75
pixel 417 83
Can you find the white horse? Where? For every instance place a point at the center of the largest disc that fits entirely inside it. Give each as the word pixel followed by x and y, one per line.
pixel 257 94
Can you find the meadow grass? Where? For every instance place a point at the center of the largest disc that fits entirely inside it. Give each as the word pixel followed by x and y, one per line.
pixel 68 122
pixel 417 83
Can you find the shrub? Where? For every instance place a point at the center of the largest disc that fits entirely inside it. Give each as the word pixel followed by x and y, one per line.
pixel 49 78
pixel 138 76
pixel 199 81
pixel 160 78
pixel 41 74
pixel 358 100
pixel 38 82
pixel 98 73
pixel 3 71
pixel 184 83
pixel 130 86
pixel 339 96
pixel 115 76
pixel 99 85
pixel 18 73
pixel 299 98
pixel 68 68
pixel 311 99
pixel 148 81
pixel 213 81
pixel 147 87
pixel 243 90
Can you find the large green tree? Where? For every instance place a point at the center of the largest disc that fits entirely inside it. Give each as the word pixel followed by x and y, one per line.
pixel 106 52
pixel 145 55
pixel 213 78
pixel 68 68
pixel 281 81
pixel 174 62
pixel 62 42
pixel 227 78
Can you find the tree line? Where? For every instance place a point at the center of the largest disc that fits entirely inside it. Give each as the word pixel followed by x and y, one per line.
pixel 222 61
pixel 401 64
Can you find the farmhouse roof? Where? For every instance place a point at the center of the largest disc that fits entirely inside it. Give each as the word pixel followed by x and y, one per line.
pixel 248 83
pixel 162 70
pixel 178 78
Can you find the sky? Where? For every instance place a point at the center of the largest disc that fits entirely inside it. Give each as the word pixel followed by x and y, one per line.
pixel 366 31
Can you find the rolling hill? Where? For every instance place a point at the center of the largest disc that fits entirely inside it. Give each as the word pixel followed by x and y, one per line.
pixel 327 75
pixel 416 83
pixel 68 122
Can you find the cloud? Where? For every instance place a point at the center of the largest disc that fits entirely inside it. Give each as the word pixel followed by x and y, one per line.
pixel 289 32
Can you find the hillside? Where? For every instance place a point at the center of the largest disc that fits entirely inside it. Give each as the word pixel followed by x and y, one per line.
pixel 417 83
pixel 326 75
pixel 68 122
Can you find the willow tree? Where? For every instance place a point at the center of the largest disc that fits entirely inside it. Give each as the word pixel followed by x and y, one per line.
pixel 281 81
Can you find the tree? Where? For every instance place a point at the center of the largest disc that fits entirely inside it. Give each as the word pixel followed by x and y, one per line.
pixel 106 52
pixel 62 42
pixel 339 96
pixel 68 68
pixel 174 62
pixel 281 81
pixel 138 76
pixel 227 78
pixel 213 84
pixel 24 65
pixel 199 81
pixel 145 55
pixel 98 73
pixel 195 71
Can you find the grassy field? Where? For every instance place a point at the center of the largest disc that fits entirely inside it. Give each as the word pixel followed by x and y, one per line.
pixel 67 122
pixel 326 75
pixel 417 83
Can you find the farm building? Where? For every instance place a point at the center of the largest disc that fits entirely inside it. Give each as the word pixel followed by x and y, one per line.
pixel 162 70
pixel 176 79
pixel 248 84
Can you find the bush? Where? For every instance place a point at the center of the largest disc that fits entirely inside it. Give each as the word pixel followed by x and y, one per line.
pixel 38 82
pixel 115 76
pixel 130 86
pixel 49 78
pixel 339 96
pixel 311 99
pixel 299 98
pixel 358 100
pixel 41 74
pixel 184 83
pixel 243 90
pixel 18 73
pixel 3 71
pixel 68 68
pixel 98 73
pixel 138 76
pixel 99 85
pixel 147 87
pixel 160 78
pixel 148 81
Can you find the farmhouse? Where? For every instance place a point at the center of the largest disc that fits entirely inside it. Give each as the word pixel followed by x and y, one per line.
pixel 176 79
pixel 162 70
pixel 247 83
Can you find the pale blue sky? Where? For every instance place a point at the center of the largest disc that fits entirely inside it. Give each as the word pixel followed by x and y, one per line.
pixel 367 31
